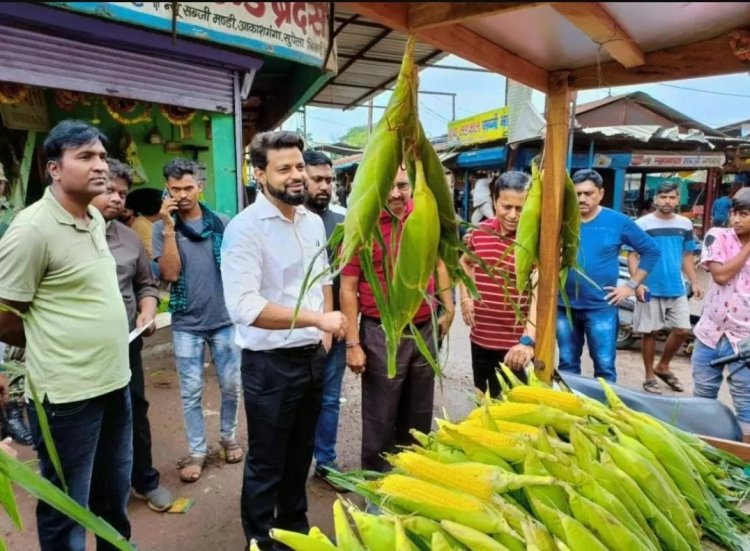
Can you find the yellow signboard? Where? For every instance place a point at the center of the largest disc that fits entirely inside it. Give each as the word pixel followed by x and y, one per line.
pixel 484 127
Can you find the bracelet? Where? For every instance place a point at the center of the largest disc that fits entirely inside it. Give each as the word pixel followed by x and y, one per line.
pixel 169 233
pixel 352 344
pixel 465 299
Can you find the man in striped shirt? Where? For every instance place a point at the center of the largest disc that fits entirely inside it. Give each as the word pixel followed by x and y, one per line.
pixel 497 334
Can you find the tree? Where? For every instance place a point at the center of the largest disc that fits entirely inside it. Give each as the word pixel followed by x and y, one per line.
pixel 356 136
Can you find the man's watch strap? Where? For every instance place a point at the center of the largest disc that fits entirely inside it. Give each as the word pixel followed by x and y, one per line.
pixel 632 284
pixel 526 340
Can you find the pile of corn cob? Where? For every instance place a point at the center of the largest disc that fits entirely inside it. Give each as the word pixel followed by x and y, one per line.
pixel 546 470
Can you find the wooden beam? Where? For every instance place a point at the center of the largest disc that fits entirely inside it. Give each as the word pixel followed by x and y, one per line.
pixel 426 15
pixel 592 19
pixel 553 186
pixel 458 40
pixel 700 59
pixel 394 15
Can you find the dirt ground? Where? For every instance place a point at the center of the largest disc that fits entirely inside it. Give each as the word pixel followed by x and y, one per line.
pixel 214 520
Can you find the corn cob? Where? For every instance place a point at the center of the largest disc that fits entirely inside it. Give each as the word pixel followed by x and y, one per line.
pixel 471 478
pixel 345 536
pixel 563 469
pixel 300 542
pixel 376 532
pixel 522 522
pixel 643 472
pixel 527 235
pixel 471 538
pixel 317 534
pixel 506 447
pixel 436 502
pixel 498 425
pixel 552 496
pixel 380 161
pixel 402 540
pixel 566 401
pixel 574 534
pixel 670 537
pixel 254 545
pixel 439 543
pixel 571 227
pixel 412 271
pixel 603 524
pixel 424 528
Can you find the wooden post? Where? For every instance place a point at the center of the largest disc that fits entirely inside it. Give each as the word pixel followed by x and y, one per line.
pixel 555 157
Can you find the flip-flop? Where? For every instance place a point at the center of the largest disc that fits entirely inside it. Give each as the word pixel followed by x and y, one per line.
pixel 192 469
pixel 652 386
pixel 670 380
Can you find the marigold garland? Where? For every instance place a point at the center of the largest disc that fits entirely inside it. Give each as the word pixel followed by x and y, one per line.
pixel 67 99
pixel 118 107
pixel 12 93
pixel 178 116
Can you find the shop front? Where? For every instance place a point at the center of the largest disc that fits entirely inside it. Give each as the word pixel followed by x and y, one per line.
pixel 200 91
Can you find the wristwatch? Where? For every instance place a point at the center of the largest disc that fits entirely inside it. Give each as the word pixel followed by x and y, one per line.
pixel 526 340
pixel 630 284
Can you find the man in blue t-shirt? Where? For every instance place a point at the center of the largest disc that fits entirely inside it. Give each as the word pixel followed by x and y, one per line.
pixel 720 209
pixel 593 293
pixel 668 307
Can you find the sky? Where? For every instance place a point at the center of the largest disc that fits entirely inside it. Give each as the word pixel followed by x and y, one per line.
pixel 714 101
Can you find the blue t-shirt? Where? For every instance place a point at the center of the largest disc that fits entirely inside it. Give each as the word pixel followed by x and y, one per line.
pixel 601 240
pixel 674 237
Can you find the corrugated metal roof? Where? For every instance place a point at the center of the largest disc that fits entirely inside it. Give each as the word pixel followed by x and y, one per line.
pixel 368 57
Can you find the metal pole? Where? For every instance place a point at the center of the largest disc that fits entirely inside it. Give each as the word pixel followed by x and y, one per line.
pixel 571 135
pixel 453 98
pixel 304 122
pixel 369 117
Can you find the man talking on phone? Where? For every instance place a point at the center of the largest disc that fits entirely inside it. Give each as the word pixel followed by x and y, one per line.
pixel 187 245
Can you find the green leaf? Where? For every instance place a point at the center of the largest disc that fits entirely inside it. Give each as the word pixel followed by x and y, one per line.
pixel 45 491
pixel 8 501
pixel 46 433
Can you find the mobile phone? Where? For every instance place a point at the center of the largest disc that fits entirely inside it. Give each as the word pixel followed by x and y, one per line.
pixel 165 194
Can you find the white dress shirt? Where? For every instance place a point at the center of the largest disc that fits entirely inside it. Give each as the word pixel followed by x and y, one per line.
pixel 264 258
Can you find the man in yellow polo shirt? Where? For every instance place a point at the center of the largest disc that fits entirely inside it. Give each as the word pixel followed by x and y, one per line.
pixel 56 268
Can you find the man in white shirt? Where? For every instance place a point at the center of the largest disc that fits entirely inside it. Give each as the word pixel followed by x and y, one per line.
pixel 480 197
pixel 265 254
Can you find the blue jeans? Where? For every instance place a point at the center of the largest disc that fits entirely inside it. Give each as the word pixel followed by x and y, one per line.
pixel 95 443
pixel 599 327
pixel 707 380
pixel 189 354
pixel 328 422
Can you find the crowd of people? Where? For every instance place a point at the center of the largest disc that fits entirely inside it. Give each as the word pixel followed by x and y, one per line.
pixel 83 281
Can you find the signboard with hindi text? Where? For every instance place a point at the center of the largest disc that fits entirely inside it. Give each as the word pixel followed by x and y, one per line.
pixel 484 127
pixel 293 30
pixel 641 159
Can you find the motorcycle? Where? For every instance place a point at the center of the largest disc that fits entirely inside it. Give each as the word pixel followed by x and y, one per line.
pixel 625 335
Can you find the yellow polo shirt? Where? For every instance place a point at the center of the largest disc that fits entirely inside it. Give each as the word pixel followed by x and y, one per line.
pixel 76 326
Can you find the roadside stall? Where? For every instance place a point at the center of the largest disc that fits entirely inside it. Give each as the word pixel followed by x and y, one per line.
pixel 160 79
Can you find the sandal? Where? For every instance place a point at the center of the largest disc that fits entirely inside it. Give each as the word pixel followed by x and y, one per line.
pixel 192 469
pixel 670 380
pixel 231 451
pixel 652 386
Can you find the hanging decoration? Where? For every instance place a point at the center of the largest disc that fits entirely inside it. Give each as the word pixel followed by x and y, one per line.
pixel 178 116
pixel 12 93
pixel 68 99
pixel 129 152
pixel 125 111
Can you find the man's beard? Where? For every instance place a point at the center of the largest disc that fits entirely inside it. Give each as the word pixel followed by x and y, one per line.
pixel 286 197
pixel 320 201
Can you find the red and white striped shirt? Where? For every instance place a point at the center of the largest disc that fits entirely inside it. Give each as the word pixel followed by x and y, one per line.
pixel 496 325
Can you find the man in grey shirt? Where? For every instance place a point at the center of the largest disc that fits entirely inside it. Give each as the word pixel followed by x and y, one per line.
pixel 140 294
pixel 187 243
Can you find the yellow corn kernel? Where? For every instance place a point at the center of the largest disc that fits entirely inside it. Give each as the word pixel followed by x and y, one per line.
pixel 566 401
pixel 507 427
pixel 507 447
pixel 438 503
pixel 506 410
pixel 472 478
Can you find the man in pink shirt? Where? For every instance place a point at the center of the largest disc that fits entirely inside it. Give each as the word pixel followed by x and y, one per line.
pixel 726 316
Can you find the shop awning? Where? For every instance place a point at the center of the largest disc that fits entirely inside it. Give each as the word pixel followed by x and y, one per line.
pixel 491 157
